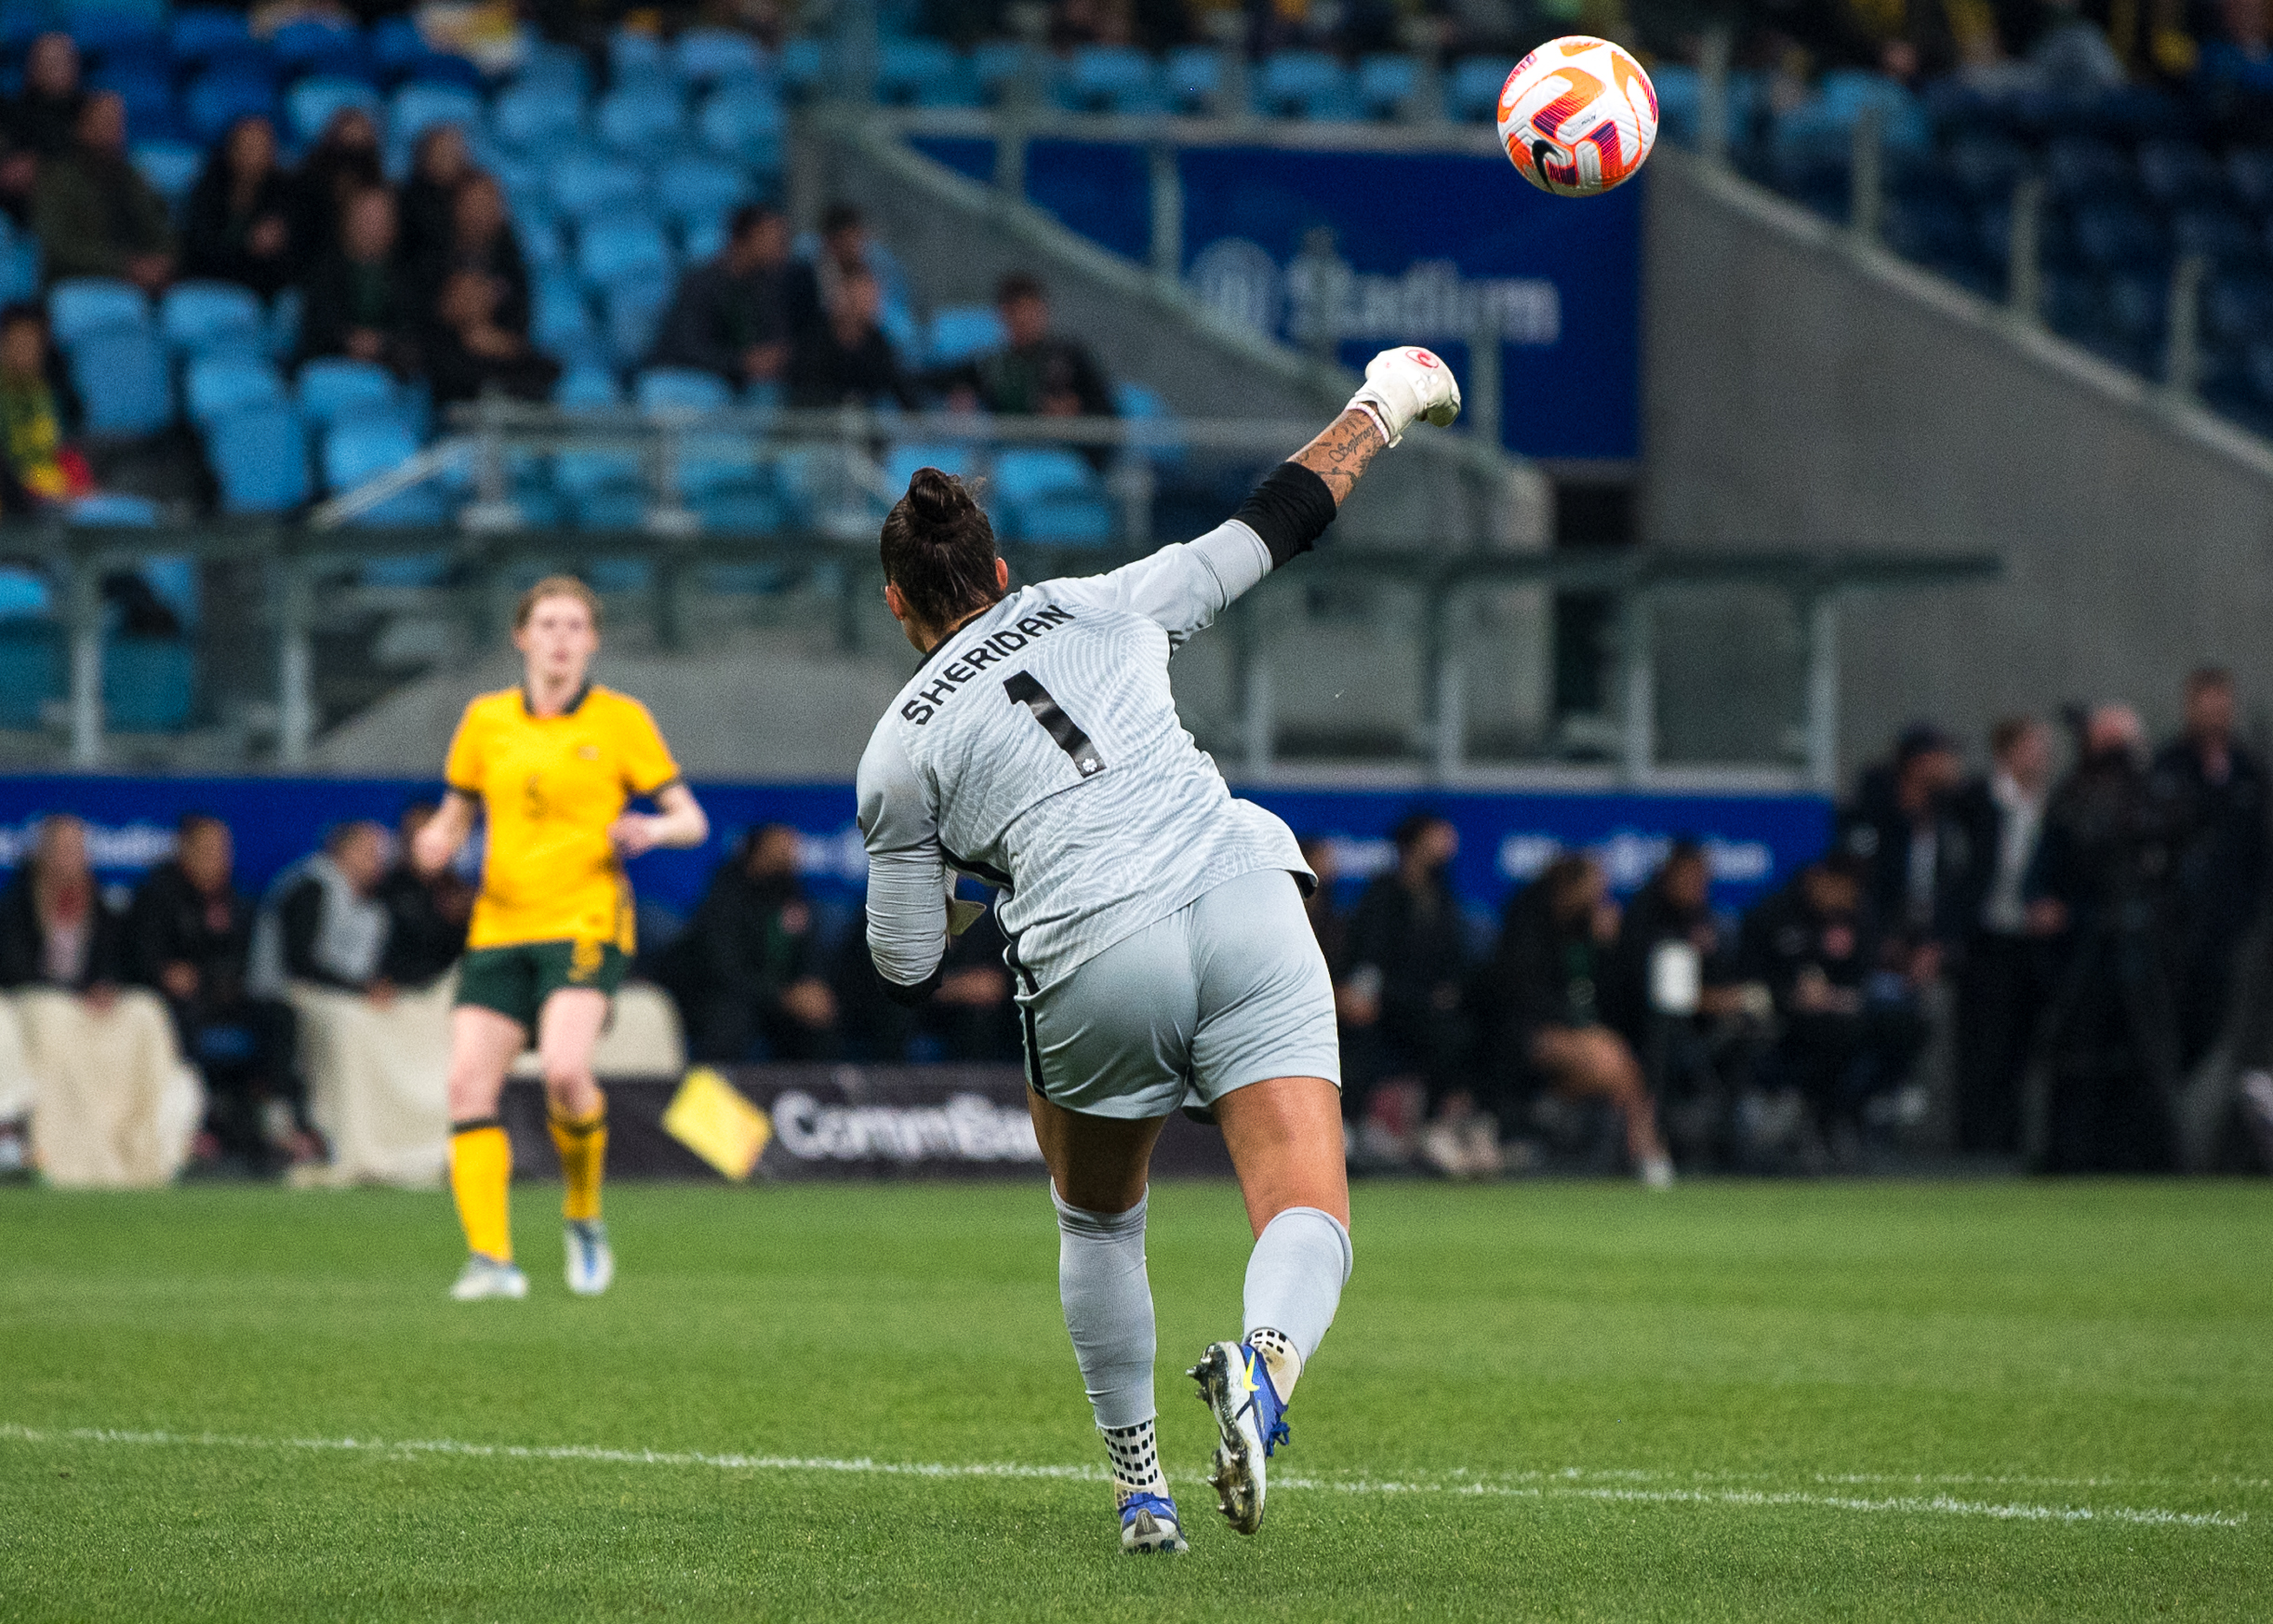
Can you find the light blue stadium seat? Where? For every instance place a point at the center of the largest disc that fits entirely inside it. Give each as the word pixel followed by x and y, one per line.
pixel 634 307
pixel 961 331
pixel 283 322
pixel 30 671
pixel 173 576
pixel 1027 473
pixel 642 121
pixel 1137 403
pixel 315 102
pixel 544 244
pixel 741 512
pixel 636 56
pixel 221 383
pixel 702 238
pixel 1472 92
pixel 1110 79
pixel 260 456
pixel 20 270
pixel 745 123
pixel 199 317
pixel 612 248
pixel 126 387
pixel 559 319
pixel 603 490
pixel 396 46
pixel 114 24
pixel 421 104
pixel 113 510
pixel 587 183
pixel 81 305
pixel 336 384
pixel 906 68
pixel 221 98
pixel 1387 82
pixel 950 457
pixel 310 45
pixel 1050 495
pixel 363 441
pixel 446 68
pixel 148 93
pixel 1305 85
pixel 170 167
pixel 533 116
pixel 1065 521
pixel 148 684
pixel 693 190
pixel 587 389
pixel 804 62
pixel 680 388
pixel 23 594
pixel 203 31
pixel 704 56
pixel 997 65
pixel 556 64
pixel 1193 78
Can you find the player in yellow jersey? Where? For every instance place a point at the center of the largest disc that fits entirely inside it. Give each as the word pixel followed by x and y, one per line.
pixel 552 766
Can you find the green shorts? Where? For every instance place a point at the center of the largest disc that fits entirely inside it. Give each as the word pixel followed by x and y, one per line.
pixel 517 980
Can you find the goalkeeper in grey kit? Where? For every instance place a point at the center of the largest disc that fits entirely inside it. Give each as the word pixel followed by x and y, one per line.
pixel 1155 924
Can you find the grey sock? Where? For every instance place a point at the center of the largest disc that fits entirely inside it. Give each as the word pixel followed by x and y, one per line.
pixel 1295 1277
pixel 1108 1300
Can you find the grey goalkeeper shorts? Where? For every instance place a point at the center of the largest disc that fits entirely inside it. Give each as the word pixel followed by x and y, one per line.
pixel 1228 989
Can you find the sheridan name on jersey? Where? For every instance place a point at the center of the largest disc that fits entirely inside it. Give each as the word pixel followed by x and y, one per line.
pixel 1038 749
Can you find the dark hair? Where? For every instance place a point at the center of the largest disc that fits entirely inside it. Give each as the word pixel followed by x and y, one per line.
pixel 2206 677
pixel 841 216
pixel 748 219
pixel 1412 826
pixel 1018 285
pixel 938 550
pixel 17 311
pixel 2010 731
pixel 1685 848
pixel 188 823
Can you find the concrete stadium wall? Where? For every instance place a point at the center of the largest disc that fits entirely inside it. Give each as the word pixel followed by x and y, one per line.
pixel 1801 390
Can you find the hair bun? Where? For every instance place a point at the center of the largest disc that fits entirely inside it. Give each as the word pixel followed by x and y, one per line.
pixel 938 498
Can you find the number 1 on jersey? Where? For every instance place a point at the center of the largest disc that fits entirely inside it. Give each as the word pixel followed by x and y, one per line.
pixel 1024 690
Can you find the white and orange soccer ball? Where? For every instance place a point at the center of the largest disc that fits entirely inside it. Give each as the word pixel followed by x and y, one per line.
pixel 1578 116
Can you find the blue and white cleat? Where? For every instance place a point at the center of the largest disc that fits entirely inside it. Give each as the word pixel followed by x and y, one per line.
pixel 591 1265
pixel 1149 1524
pixel 486 1277
pixel 1250 1421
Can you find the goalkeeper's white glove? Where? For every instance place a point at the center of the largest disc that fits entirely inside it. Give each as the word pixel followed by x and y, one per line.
pixel 960 915
pixel 1405 384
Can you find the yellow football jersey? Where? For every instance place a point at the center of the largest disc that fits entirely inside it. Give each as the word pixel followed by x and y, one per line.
pixel 552 786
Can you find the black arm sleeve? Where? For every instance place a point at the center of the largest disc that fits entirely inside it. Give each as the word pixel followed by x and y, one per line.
pixel 1290 511
pixel 912 997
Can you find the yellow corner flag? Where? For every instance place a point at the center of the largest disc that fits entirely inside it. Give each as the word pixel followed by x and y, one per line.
pixel 709 1116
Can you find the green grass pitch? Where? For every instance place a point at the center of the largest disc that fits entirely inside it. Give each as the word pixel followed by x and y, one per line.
pixel 1793 1400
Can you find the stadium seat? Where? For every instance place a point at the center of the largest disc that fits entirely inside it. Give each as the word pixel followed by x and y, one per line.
pixel 699 192
pixel 396 48
pixel 1110 79
pixel 336 384
pixel 170 167
pixel 1987 167
pixel 1050 495
pixel 83 305
pixel 805 61
pixel 1388 84
pixel 310 45
pixel 199 317
pixel 587 183
pixel 1137 403
pixel 363 441
pixel 614 246
pixel 632 307
pixel 587 389
pixel 604 490
pixel 2221 236
pixel 2119 237
pixel 2239 309
pixel 923 73
pixel 2139 307
pixel 2084 171
pixel 447 69
pixel 313 103
pixel 2179 174
pixel 902 461
pixel 221 383
pixel 555 64
pixel 126 388
pixel 1194 79
pixel 20 270
pixel 220 98
pixel 111 509
pixel 199 32
pixel 1471 95
pixel 149 97
pixel 961 331
pixel 559 319
pixel 642 121
pixel 1305 85
pixel 636 58
pixel 680 389
pixel 542 244
pixel 260 456
pixel 421 104
pixel 148 684
pixel 30 671
pixel 706 56
pixel 114 25
pixel 997 65
pixel 283 322
pixel 737 123
pixel 2249 171
pixel 534 117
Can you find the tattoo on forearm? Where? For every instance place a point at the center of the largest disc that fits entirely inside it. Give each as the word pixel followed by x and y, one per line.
pixel 1340 454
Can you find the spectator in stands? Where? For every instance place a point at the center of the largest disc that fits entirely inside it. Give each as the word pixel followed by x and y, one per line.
pixel 469 352
pixel 1329 924
pixel 357 304
pixel 39 123
pixel 237 224
pixel 439 164
pixel 809 290
pixel 747 972
pixel 343 164
pixel 729 314
pixel 481 240
pixel 2216 789
pixel 1851 1033
pixel 55 930
pixel 1553 959
pixel 191 933
pixel 427 914
pixel 847 361
pixel 2241 56
pixel 41 469
pixel 1408 974
pixel 2000 982
pixel 1916 851
pixel 2069 52
pixel 95 214
pixel 1038 373
pixel 322 921
pixel 970 1020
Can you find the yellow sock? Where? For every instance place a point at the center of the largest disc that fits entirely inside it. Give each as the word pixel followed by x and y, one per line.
pixel 481 1173
pixel 582 1142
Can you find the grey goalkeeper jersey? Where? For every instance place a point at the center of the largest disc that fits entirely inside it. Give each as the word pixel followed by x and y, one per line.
pixel 1038 749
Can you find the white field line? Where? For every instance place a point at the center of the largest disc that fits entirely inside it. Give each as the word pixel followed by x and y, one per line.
pixel 1566 1485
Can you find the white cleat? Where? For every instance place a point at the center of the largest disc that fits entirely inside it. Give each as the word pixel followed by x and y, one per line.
pixel 1657 1172
pixel 1149 1525
pixel 592 1265
pixel 1250 1421
pixel 485 1277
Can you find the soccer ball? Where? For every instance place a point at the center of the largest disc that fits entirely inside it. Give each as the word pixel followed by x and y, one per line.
pixel 1578 116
